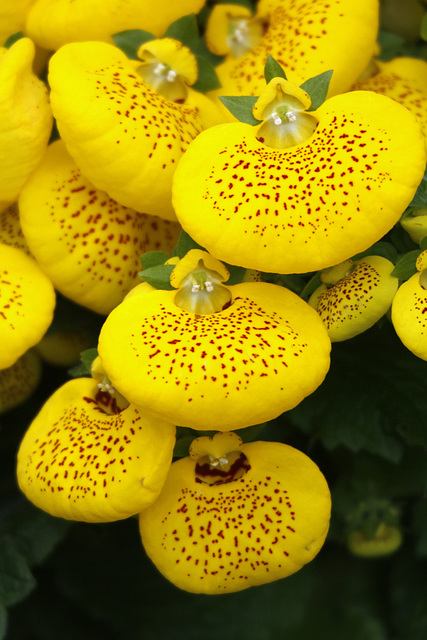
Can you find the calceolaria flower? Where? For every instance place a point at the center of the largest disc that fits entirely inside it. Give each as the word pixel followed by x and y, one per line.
pixel 10 229
pixel 88 244
pixel 212 356
pixel 233 515
pixel 19 381
pixel 12 17
pixel 307 38
pixel 126 137
pixel 62 348
pixel 27 301
pixel 25 116
pixel 386 540
pixel 303 190
pixel 354 295
pixel 409 310
pixel 87 456
pixel 52 23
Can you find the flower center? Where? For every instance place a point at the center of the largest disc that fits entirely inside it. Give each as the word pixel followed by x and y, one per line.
pixel 226 468
pixel 202 293
pixel 164 80
pixel 244 34
pixel 286 122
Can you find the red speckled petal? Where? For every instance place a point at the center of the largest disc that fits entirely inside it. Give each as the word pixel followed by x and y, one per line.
pixel 79 463
pixel 224 538
pixel 409 316
pixel 312 205
pixel 19 381
pixel 10 229
pixel 227 370
pixel 88 244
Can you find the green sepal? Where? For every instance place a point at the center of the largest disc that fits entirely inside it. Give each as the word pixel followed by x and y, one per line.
pixel 14 37
pixel 185 30
pixel 153 258
pixel 185 244
pixel 241 107
pixel 129 41
pixel 158 276
pixel 383 249
pixel 207 79
pixel 317 88
pixel 423 244
pixel 272 69
pixel 405 268
pixel 84 368
pixel 311 286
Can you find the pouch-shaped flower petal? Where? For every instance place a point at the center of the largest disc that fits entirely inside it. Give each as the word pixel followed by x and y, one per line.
pixel 126 138
pixel 311 205
pixel 25 119
pixel 88 244
pixel 19 381
pixel 245 364
pixel 27 301
pixel 10 229
pixel 80 463
pixel 357 299
pixel 52 23
pixel 404 80
pixel 409 310
pixel 12 17
pixel 306 39
pixel 246 516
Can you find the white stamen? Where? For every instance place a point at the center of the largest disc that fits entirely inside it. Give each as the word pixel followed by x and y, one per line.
pixel 195 288
pixel 214 462
pixel 171 76
pixel 209 286
pixel 291 116
pixel 105 387
pixel 158 71
pixel 276 118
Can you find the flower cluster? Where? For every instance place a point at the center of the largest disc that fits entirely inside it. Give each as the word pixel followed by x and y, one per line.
pixel 146 165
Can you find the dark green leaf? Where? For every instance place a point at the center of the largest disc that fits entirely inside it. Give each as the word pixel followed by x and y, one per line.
pixel 293 282
pixel 405 268
pixel 158 277
pixel 13 38
pixel 423 244
pixel 84 369
pixel 317 89
pixel 207 79
pixel 390 44
pixel 424 28
pixel 185 30
pixel 384 249
pixel 185 244
pixel 153 258
pixel 273 69
pixel 16 579
pixel 236 274
pixel 182 446
pixel 3 621
pixel 241 107
pixel 129 41
pixel 311 286
pixel 419 201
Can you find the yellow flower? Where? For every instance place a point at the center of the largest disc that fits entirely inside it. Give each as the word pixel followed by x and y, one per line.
pixel 88 244
pixel 409 310
pixel 306 38
pixel 26 119
pixel 404 80
pixel 245 356
pixel 340 185
pixel 52 23
pixel 27 301
pixel 83 459
pixel 415 223
pixel 63 348
pixel 12 17
pixel 19 381
pixel 387 540
pixel 124 136
pixel 354 295
pixel 10 229
pixel 235 515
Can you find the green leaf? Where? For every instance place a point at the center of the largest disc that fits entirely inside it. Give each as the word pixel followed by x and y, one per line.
pixel 419 201
pixel 84 368
pixel 241 107
pixel 273 69
pixel 390 45
pixel 405 268
pixel 16 579
pixel 317 89
pixel 185 244
pixel 185 30
pixel 13 38
pixel 311 286
pixel 3 621
pixel 182 446
pixel 207 79
pixel 424 27
pixel 158 276
pixel 423 244
pixel 153 258
pixel 384 249
pixel 236 274
pixel 129 41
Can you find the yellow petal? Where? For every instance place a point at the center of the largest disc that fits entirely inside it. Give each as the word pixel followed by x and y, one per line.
pixel 12 17
pixel 125 138
pixel 25 117
pixel 228 537
pixel 230 29
pixel 88 244
pixel 241 366
pixel 174 55
pixel 409 315
pixel 307 207
pixel 27 301
pixel 404 80
pixel 79 463
pixel 307 40
pixel 63 348
pixel 415 223
pixel 10 229
pixel 19 381
pixel 191 261
pixel 358 300
pixel 53 23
